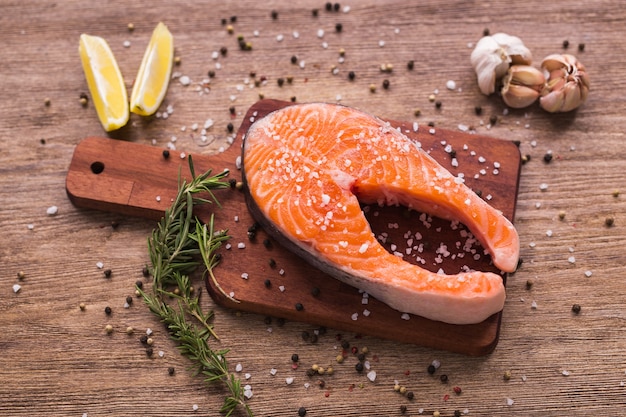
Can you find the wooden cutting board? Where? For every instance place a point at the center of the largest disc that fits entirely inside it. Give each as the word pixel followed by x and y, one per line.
pixel 137 180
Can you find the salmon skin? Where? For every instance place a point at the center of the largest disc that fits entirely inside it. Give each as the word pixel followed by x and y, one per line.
pixel 306 169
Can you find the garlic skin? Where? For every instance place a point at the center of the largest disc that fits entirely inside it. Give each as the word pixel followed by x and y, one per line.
pixel 522 86
pixel 492 57
pixel 567 83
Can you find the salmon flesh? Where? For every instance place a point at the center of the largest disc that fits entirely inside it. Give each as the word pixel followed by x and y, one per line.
pixel 307 168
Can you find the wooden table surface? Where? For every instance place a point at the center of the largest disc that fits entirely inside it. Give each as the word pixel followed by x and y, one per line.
pixel 57 360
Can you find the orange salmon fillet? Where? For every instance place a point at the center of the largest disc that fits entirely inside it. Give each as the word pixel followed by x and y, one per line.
pixel 307 168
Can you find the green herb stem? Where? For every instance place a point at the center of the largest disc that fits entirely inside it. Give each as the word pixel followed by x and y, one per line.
pixel 177 246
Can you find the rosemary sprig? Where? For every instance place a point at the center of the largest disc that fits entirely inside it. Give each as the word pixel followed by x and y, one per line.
pixel 177 246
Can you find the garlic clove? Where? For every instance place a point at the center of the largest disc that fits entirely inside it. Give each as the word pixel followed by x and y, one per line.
pixel 567 83
pixel 493 55
pixel 522 86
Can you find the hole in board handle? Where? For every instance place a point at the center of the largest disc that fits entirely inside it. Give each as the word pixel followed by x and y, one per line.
pixel 97 167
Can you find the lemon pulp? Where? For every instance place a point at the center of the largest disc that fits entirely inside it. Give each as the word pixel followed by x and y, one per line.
pixel 105 82
pixel 154 73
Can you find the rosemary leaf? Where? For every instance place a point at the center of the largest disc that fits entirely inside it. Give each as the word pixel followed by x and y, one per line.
pixel 177 246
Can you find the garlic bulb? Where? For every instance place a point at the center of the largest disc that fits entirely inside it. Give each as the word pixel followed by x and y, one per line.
pixel 492 57
pixel 567 83
pixel 522 86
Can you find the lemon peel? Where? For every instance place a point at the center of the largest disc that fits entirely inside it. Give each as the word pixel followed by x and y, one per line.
pixel 105 82
pixel 154 73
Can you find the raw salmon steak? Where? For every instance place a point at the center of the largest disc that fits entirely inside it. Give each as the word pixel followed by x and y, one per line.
pixel 307 169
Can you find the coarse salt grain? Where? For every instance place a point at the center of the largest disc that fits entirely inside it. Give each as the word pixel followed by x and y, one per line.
pixel 238 367
pixel 450 85
pixel 588 273
pixel 195 407
pixel 241 245
pixel 405 316
pixel 571 260
pixel 371 375
pixel 273 371
pixel 289 380
pixel 16 288
pixel 509 402
pixel 565 373
pixel 184 80
pixel 354 316
pixel 99 265
pixel 52 210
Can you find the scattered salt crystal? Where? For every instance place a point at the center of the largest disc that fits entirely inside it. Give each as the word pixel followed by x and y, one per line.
pixel 405 316
pixel 161 353
pixel 289 380
pixel 281 272
pixel 450 85
pixel 99 265
pixel 571 259
pixel 238 367
pixel 16 288
pixel 524 378
pixel 184 80
pixel 371 375
pixel 431 131
pixel 238 163
pixel 247 376
pixel 282 288
pixel 381 43
pixel 148 332
pixel 158 198
pixel 52 210
pixel 195 407
pixel 509 402
pixel 247 392
pixel 295 34
pixel 549 233
pixel 588 273
pixel 543 186
pixel 565 373
pixel 320 33
pixel 241 245
pixel 436 363
pixel 126 44
pixel 279 38
pixel 354 316
pixel 228 246
pixel 533 305
pixel 182 155
pixel 30 226
pixel 244 275
pixel 273 371
pixel 366 313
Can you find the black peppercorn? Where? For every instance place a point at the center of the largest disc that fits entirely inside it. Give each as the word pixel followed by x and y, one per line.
pixel 581 47
pixel 267 243
pixel 410 65
pixel 295 357
pixel 438 104
pixel 385 84
pixel 129 299
pixel 272 263
pixel 351 75
pixel 457 413
pixel 329 7
pixel 170 371
pixel 230 127
pixel 149 351
pixel 315 292
pixel 359 367
pixel 232 182
pixel 478 110
pixel 223 51
pixel 443 378
pixel 493 119
pixel 274 14
pixel 336 7
pixel 486 32
pixel 576 308
pixel 338 27
pixel 166 153
pixel 302 410
pixel 233 19
pixel 305 335
pixel 299 307
pixel 280 81
pixel 315 12
pixel 294 59
pixel 431 369
pixel 211 73
pixel 547 157
pixel 565 44
pixel 143 339
pixel 107 273
pixel 267 283
pixel 410 395
pixel 345 344
pixel 108 310
pixel 403 409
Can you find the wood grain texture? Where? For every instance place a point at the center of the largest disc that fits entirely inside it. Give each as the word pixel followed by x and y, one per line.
pixel 57 359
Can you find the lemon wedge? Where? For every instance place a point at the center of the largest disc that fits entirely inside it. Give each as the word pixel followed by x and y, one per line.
pixel 105 82
pixel 154 73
